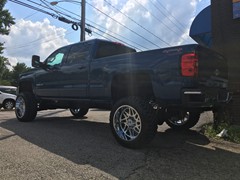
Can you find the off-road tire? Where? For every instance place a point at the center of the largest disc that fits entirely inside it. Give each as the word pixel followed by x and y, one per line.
pixel 138 111
pixel 26 107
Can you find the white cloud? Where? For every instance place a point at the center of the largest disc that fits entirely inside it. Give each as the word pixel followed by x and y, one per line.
pixel 27 38
pixel 168 20
pixel 154 16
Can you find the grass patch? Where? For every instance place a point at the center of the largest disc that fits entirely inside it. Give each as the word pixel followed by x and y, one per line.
pixel 233 132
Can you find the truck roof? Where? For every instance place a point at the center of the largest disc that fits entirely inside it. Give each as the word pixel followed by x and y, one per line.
pixel 94 41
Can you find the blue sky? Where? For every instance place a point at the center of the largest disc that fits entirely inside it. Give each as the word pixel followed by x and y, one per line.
pixel 143 24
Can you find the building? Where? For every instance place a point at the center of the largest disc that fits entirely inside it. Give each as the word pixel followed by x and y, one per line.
pixel 218 27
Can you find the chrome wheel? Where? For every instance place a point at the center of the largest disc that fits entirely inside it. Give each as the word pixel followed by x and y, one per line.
pixel 133 122
pixel 26 107
pixel 127 123
pixel 20 107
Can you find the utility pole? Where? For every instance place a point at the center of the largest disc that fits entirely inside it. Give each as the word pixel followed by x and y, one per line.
pixel 83 17
pixel 83 21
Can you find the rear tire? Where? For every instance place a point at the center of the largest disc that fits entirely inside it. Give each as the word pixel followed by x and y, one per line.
pixel 79 112
pixel 183 120
pixel 133 122
pixel 8 104
pixel 26 107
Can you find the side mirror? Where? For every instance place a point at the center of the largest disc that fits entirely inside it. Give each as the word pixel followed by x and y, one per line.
pixel 36 61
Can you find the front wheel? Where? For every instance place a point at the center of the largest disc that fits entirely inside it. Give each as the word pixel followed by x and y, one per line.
pixel 182 120
pixel 133 122
pixel 9 104
pixel 79 112
pixel 26 107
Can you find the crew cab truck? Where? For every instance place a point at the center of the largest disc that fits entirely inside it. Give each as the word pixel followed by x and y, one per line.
pixel 142 89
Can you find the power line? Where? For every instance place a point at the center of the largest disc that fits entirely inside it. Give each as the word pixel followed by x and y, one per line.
pixel 49 7
pixel 139 45
pixel 125 26
pixel 32 7
pixel 24 46
pixel 60 18
pixel 112 37
pixel 30 15
pixel 138 23
pixel 92 22
pixel 156 17
pixel 117 39
pixel 176 25
pixel 90 26
pixel 68 21
pixel 169 13
pixel 34 41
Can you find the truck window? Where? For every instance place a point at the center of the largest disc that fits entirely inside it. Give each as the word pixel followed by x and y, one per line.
pixel 78 53
pixel 57 57
pixel 110 49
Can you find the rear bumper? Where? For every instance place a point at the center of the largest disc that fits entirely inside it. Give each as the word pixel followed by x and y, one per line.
pixel 208 98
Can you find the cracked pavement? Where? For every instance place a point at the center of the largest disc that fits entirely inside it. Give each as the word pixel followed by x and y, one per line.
pixel 58 146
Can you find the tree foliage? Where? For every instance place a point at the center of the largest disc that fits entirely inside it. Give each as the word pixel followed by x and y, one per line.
pixel 18 69
pixel 6 20
pixel 11 77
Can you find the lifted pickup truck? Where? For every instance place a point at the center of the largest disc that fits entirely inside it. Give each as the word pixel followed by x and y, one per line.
pixel 142 89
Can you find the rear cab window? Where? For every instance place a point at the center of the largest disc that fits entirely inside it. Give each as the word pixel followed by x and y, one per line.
pixel 78 53
pixel 106 49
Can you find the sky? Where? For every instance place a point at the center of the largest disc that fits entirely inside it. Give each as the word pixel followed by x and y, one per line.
pixel 141 24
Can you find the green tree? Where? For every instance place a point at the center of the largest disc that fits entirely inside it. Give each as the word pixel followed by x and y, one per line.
pixel 6 20
pixel 4 72
pixel 3 68
pixel 17 70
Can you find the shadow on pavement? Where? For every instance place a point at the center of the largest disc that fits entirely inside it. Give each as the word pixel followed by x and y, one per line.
pixel 171 155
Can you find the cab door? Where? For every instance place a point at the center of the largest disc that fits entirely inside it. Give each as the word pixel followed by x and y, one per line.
pixel 76 71
pixel 50 81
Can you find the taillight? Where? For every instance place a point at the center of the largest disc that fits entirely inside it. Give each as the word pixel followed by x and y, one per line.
pixel 189 65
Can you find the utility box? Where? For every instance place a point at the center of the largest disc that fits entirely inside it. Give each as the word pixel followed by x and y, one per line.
pixel 226 40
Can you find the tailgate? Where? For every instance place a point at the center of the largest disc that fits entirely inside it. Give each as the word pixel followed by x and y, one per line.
pixel 212 68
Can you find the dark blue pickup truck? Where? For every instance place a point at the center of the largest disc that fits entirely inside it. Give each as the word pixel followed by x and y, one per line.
pixel 142 89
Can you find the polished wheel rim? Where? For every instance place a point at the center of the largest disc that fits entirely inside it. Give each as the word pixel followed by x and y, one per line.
pixel 127 123
pixel 179 121
pixel 20 107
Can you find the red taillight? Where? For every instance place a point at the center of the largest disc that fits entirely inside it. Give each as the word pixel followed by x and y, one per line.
pixel 189 65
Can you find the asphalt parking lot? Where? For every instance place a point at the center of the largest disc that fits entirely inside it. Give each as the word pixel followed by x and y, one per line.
pixel 58 146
